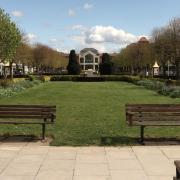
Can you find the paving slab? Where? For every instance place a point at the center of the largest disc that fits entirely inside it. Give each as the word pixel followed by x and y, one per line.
pixel 17 177
pixel 26 160
pixel 51 164
pixel 128 175
pixel 160 178
pixel 92 178
pixel 90 169
pixel 21 169
pixel 54 175
pixel 124 164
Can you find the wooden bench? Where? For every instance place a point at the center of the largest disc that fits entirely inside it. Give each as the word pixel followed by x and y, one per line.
pixel 152 115
pixel 177 164
pixel 28 114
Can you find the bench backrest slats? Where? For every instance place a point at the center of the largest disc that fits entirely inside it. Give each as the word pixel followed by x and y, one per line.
pixel 27 111
pixel 153 114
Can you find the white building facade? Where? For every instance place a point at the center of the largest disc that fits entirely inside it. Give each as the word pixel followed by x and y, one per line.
pixel 89 59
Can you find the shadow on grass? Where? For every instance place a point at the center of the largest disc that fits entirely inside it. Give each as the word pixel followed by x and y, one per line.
pixel 132 141
pixel 18 138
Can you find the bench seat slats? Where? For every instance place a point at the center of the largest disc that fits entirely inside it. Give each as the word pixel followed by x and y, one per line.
pixel 25 122
pixel 23 116
pixel 153 105
pixel 24 112
pixel 156 118
pixel 28 109
pixel 154 123
pixel 153 114
pixel 28 106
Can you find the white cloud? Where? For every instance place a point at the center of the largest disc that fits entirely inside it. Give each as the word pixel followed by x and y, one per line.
pixel 104 38
pixel 31 37
pixel 78 27
pixel 108 34
pixel 17 13
pixel 87 6
pixel 53 40
pixel 71 12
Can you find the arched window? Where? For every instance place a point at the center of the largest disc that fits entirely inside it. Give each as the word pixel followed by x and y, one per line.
pixel 96 60
pixel 89 58
pixel 81 60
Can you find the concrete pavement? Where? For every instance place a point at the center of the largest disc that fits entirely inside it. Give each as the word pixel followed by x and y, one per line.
pixel 36 161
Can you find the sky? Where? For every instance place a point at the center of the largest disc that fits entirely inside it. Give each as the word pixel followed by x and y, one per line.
pixel 107 25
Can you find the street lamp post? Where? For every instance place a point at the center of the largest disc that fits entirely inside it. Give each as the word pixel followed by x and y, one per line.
pixel 156 69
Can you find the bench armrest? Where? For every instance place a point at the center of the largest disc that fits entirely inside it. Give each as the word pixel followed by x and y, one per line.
pixel 129 116
pixel 129 113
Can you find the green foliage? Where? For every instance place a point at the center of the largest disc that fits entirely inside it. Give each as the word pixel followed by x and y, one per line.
pixel 44 78
pixel 73 66
pixel 149 84
pixel 10 37
pixel 31 77
pixel 163 88
pixel 4 83
pixel 105 67
pixel 14 88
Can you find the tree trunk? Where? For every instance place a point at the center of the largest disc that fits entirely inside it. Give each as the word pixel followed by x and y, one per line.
pixel 23 69
pixel 5 75
pixel 11 70
pixel 132 70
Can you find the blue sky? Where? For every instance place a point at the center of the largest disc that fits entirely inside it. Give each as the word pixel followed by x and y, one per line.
pixel 107 25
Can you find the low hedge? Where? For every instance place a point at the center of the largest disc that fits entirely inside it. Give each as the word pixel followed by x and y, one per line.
pixel 16 80
pixel 125 78
pixel 44 78
pixel 63 77
pixel 88 79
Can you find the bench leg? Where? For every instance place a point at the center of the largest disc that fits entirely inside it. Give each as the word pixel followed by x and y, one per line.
pixel 142 134
pixel 43 131
pixel 177 174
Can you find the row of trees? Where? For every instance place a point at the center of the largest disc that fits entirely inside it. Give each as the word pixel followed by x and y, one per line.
pixel 14 48
pixel 44 58
pixel 135 58
pixel 163 47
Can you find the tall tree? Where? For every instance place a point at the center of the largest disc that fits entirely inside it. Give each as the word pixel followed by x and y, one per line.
pixel 24 55
pixel 105 66
pixel 73 66
pixel 10 38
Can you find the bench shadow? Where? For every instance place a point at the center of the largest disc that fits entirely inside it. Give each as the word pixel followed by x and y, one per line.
pixel 18 138
pixel 133 141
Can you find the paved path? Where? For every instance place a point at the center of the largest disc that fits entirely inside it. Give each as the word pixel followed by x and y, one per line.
pixel 35 161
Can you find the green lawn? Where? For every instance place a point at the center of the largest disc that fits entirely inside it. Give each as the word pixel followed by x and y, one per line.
pixel 89 113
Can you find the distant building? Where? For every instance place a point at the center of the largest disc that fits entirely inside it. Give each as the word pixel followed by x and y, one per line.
pixel 89 58
pixel 143 40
